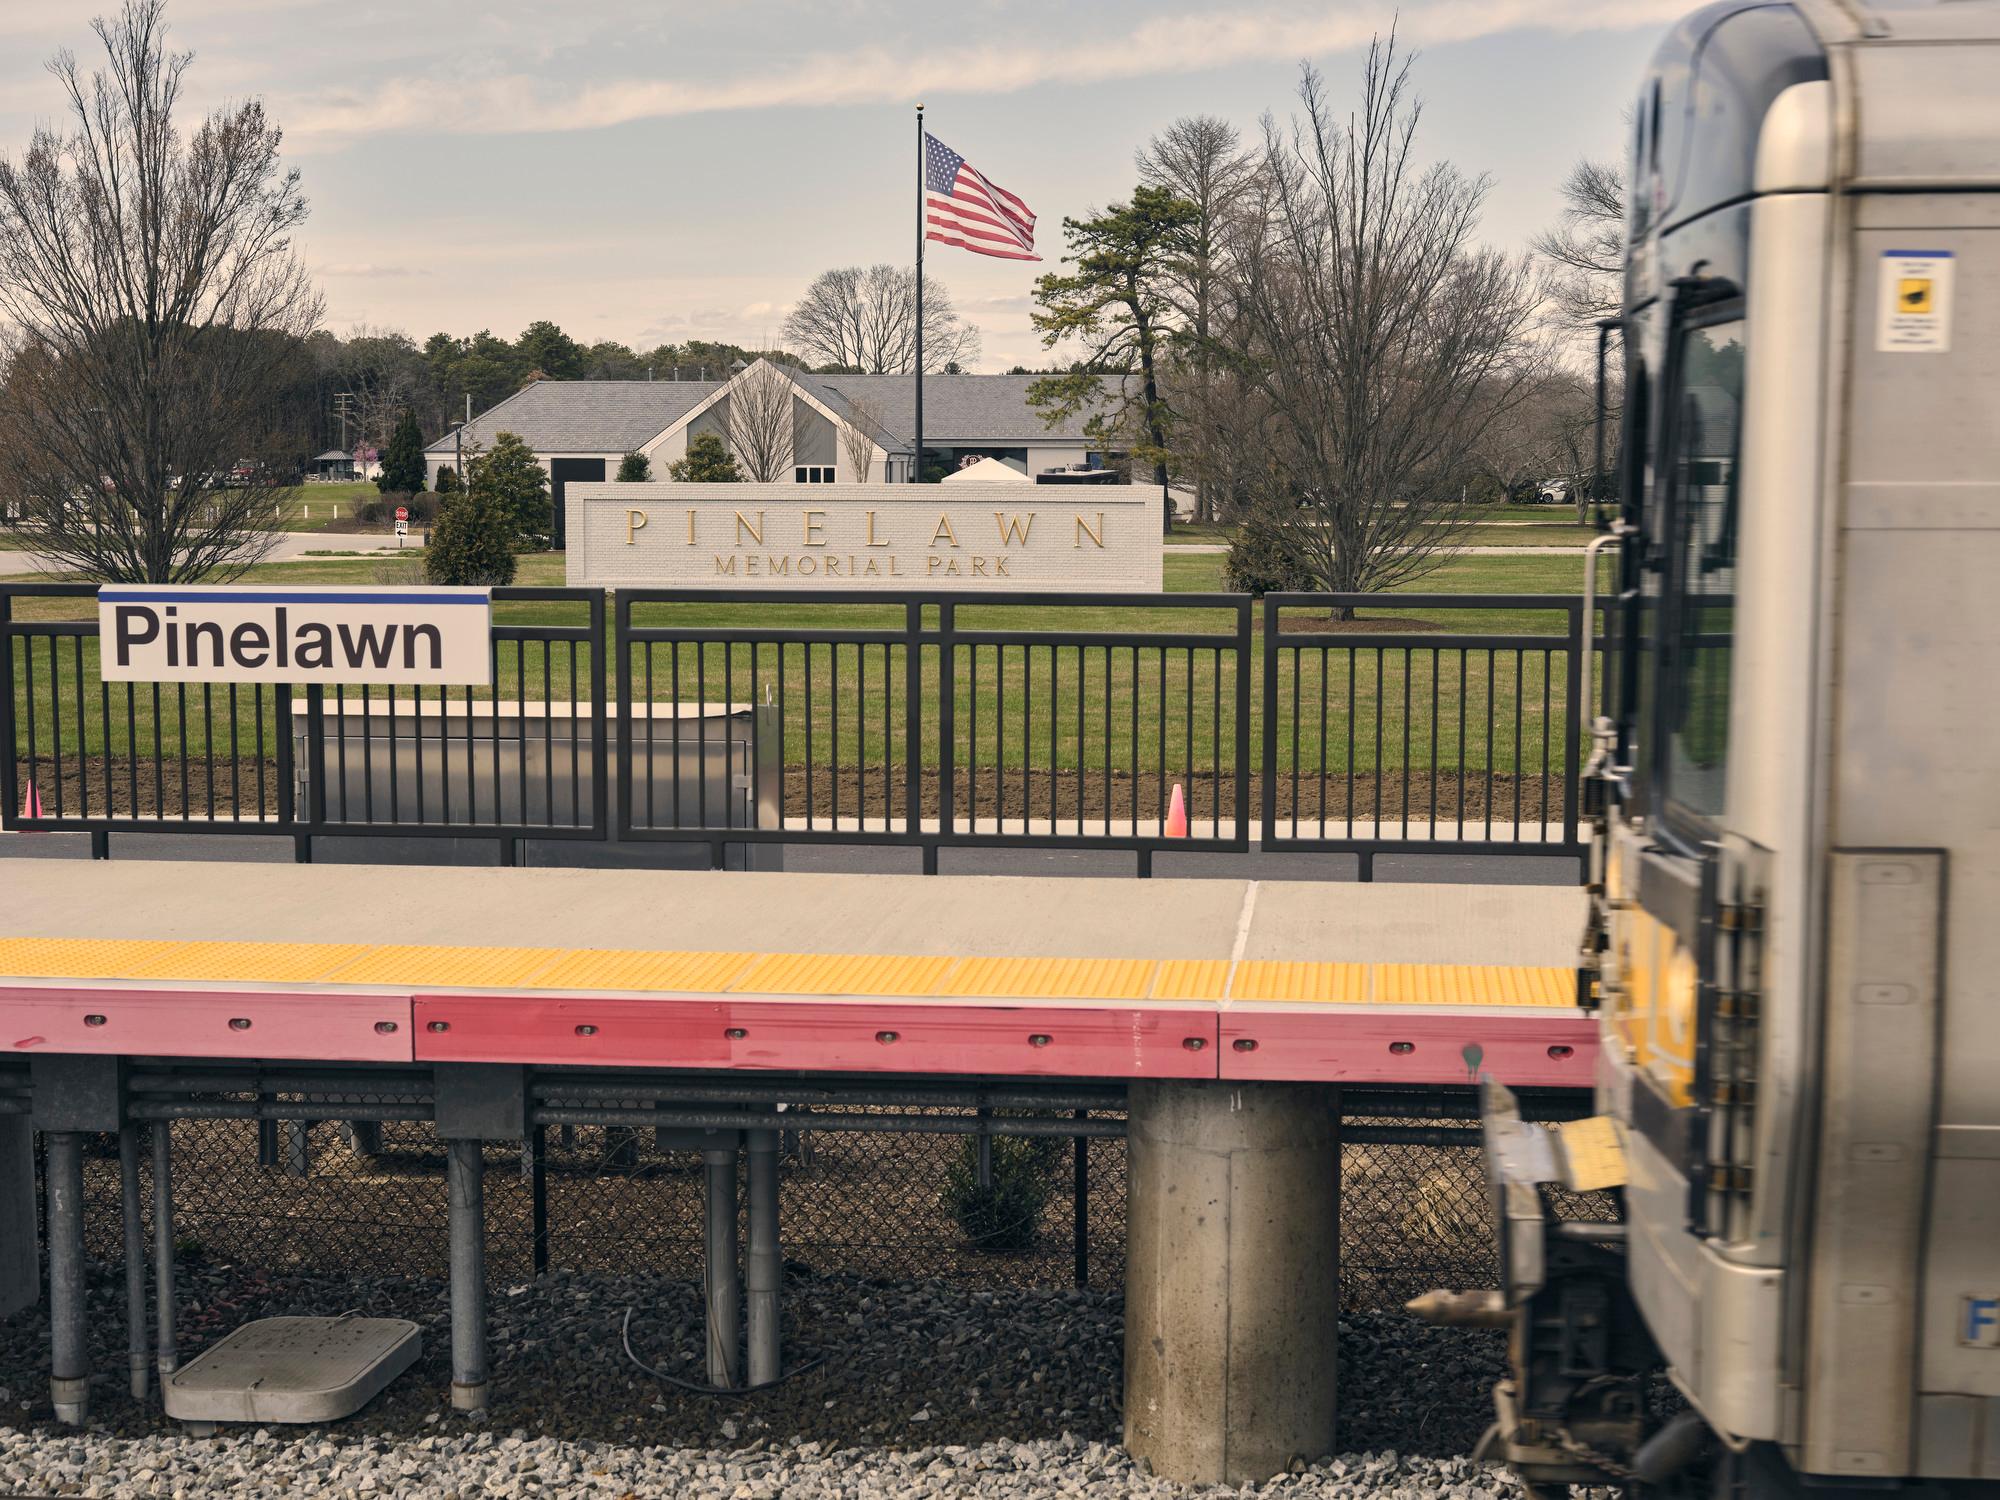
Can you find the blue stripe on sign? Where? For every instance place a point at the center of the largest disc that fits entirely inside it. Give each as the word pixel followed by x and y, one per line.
pixel 258 596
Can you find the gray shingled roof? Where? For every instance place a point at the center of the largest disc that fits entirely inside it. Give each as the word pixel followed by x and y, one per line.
pixel 617 416
pixel 989 409
pixel 584 416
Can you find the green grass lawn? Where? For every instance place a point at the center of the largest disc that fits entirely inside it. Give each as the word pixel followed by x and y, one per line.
pixel 1418 700
pixel 316 506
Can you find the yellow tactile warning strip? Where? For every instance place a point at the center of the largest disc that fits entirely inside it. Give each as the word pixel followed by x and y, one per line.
pixel 633 969
pixel 1310 983
pixel 1192 979
pixel 844 974
pixel 417 967
pixel 1488 984
pixel 1052 978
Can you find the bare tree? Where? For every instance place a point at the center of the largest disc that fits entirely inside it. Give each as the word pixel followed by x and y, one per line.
pixel 1585 248
pixel 866 320
pixel 1385 340
pixel 759 423
pixel 857 438
pixel 154 303
pixel 1200 159
pixel 1526 442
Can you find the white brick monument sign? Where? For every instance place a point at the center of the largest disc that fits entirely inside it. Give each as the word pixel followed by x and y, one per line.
pixel 1040 538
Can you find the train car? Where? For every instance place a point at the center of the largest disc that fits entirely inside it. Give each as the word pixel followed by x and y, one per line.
pixel 1795 942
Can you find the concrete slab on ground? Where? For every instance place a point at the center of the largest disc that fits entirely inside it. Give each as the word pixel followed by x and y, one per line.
pixel 294 1370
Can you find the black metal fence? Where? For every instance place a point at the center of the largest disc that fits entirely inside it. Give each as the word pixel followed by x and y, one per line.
pixel 1359 724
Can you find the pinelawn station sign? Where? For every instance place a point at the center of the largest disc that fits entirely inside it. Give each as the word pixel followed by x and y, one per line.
pixel 162 633
pixel 1045 538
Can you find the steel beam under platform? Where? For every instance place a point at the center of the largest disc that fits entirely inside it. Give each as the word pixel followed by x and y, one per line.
pixel 1243 981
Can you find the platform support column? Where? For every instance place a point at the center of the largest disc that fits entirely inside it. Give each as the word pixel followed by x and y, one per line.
pixel 722 1279
pixel 465 1181
pixel 20 1260
pixel 69 1365
pixel 766 1266
pixel 138 1344
pixel 1232 1287
pixel 167 1353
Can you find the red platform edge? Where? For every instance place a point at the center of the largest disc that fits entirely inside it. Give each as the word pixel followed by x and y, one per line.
pixel 1528 1050
pixel 207 1023
pixel 1195 1041
pixel 1070 1041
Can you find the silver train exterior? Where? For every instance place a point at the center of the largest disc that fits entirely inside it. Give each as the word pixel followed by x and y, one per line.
pixel 1795 946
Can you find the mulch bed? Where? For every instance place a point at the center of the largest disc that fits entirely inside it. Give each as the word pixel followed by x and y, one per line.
pixel 222 789
pixel 228 790
pixel 1037 794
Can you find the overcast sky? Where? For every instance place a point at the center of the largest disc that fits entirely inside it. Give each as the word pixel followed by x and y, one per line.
pixel 651 170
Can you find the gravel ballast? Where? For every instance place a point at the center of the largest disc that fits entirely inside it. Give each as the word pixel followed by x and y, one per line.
pixel 920 1388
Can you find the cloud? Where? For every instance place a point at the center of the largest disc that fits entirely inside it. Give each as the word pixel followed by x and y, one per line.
pixel 368 271
pixel 515 102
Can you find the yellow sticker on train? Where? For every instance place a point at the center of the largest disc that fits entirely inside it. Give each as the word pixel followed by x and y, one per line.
pixel 1913 315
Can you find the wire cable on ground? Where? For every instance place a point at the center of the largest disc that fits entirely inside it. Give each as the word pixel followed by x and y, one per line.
pixel 696 1388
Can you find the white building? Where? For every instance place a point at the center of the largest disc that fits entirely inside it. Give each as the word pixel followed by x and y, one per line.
pixel 580 429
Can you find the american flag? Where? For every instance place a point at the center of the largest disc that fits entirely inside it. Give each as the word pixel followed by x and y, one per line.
pixel 963 208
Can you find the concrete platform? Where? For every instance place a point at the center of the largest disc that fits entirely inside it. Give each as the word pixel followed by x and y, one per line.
pixel 1103 978
pixel 293 1370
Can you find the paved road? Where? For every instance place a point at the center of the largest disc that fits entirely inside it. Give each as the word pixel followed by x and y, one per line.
pixel 1214 548
pixel 290 547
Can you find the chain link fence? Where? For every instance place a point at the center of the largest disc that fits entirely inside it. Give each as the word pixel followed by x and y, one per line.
pixel 368 1198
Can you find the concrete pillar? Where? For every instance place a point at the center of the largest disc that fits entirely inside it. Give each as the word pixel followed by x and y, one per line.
pixel 20 1258
pixel 1232 1288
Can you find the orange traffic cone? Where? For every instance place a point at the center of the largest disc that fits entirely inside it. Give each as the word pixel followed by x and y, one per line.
pixel 1177 815
pixel 31 803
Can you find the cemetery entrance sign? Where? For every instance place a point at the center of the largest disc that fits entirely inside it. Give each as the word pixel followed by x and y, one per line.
pixel 1022 537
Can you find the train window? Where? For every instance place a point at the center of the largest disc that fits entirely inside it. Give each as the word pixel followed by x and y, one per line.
pixel 1702 507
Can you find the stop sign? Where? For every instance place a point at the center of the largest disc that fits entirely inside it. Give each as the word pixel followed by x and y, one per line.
pixel 402 512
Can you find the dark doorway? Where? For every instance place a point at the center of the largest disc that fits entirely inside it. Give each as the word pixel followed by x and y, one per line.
pixel 561 472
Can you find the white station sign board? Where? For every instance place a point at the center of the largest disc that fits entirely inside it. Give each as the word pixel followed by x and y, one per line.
pixel 198 633
pixel 970 535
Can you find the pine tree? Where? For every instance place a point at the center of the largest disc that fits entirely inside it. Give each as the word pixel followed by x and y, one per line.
pixel 707 462
pixel 471 544
pixel 515 484
pixel 403 459
pixel 447 479
pixel 634 468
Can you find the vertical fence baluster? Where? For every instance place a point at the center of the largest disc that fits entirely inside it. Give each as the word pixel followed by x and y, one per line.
pixel 1298 711
pixel 1491 654
pixel 833 731
pixel 548 817
pixel 1353 654
pixel 35 739
pixel 1409 665
pixel 104 715
pixel 395 781
pixel 1548 734
pixel 1433 810
pixel 82 735
pixel 1134 679
pixel 55 723
pixel 181 727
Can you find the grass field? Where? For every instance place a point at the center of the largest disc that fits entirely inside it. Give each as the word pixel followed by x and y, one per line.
pixel 1389 695
pixel 1553 526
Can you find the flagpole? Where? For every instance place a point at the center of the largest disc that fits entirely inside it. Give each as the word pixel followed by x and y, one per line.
pixel 917 463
